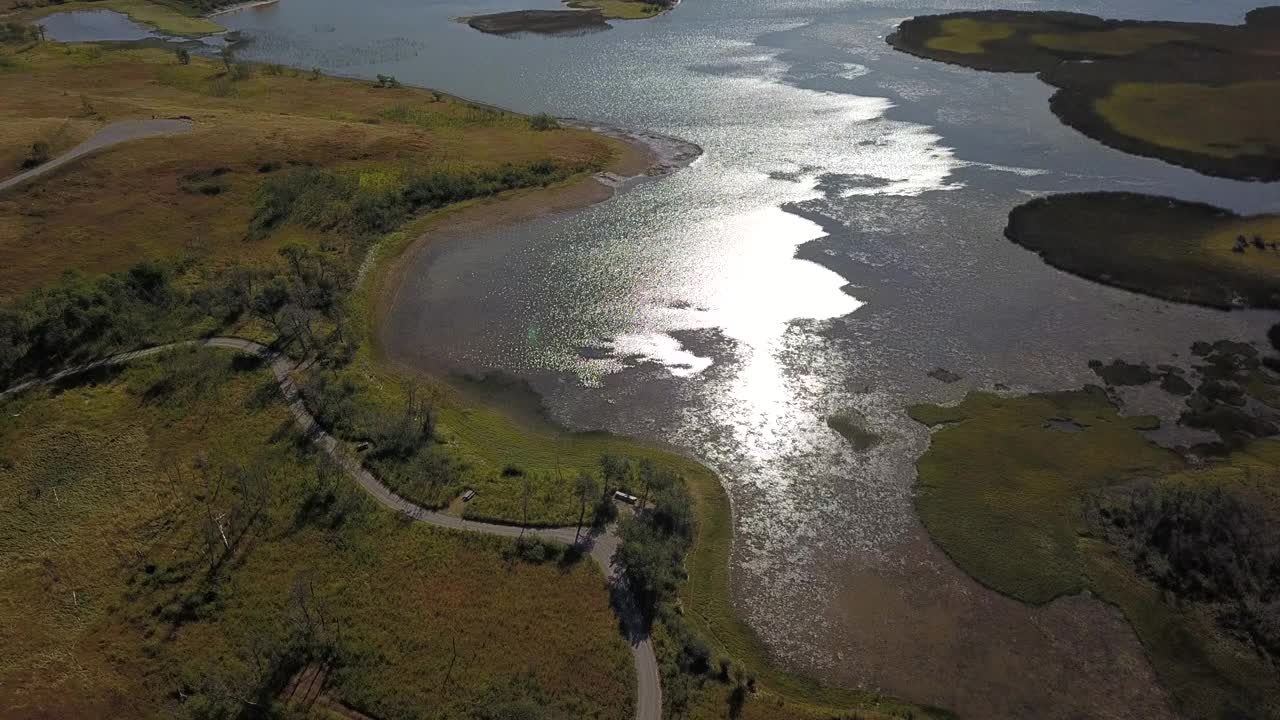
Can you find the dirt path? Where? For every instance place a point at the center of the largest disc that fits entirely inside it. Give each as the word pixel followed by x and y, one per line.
pixel 113 134
pixel 600 544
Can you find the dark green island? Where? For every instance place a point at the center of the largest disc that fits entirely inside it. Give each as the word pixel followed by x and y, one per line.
pixel 1171 249
pixel 1199 95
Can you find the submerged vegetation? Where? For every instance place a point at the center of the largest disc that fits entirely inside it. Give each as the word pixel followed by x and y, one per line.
pixel 1193 94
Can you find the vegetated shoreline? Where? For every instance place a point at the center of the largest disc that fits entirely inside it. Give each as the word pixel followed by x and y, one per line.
pixel 239 6
pixel 1082 78
pixel 705 594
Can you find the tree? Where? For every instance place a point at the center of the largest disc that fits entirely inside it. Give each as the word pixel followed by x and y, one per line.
pixel 268 303
pixel 228 57
pixel 588 489
pixel 183 55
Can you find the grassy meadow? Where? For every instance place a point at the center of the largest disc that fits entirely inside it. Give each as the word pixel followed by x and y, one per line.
pixel 201 187
pixel 172 548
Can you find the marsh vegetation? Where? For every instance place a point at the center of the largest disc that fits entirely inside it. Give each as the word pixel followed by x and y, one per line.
pixel 1193 94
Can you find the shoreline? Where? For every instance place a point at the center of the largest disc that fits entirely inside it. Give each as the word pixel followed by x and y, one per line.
pixel 238 7
pixel 706 591
pixel 653 155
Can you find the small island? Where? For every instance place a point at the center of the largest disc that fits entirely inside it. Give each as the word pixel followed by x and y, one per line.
pixel 1199 95
pixel 540 22
pixel 1171 249
pixel 587 16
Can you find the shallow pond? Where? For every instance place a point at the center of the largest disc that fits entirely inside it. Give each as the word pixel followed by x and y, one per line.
pixel 94 26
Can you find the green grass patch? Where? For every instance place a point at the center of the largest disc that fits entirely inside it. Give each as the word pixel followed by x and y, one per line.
pixel 1220 121
pixel 1010 514
pixel 1051 494
pixel 967 36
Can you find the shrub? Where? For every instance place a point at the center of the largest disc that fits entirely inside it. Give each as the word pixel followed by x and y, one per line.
pixel 1205 544
pixel 38 155
pixel 241 71
pixel 221 87
pixel 82 317
pixel 366 206
pixel 15 32
pixel 544 121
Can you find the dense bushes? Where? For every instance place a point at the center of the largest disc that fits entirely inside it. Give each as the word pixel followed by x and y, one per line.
pixel 1204 544
pixel 82 317
pixel 402 448
pixel 372 203
pixel 14 32
pixel 543 121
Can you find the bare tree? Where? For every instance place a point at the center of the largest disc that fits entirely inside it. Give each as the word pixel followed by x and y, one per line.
pixel 587 489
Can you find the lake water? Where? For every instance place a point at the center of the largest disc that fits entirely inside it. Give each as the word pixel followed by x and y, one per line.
pixel 840 238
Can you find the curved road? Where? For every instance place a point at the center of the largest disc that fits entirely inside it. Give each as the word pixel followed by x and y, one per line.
pixel 113 134
pixel 599 544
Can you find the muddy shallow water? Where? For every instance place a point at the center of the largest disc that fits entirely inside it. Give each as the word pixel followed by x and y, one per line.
pixel 840 239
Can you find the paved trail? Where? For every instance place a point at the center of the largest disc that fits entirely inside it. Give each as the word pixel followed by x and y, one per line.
pixel 599 544
pixel 113 134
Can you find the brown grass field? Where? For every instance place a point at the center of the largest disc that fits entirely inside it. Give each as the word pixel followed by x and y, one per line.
pixel 108 610
pixel 245 130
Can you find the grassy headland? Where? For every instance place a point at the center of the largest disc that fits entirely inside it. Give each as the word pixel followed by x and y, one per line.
pixel 1053 494
pixel 1171 249
pixel 1193 94
pixel 259 222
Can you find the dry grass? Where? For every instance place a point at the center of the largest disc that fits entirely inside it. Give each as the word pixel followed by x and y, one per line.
pixel 619 9
pixel 92 515
pixel 263 124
